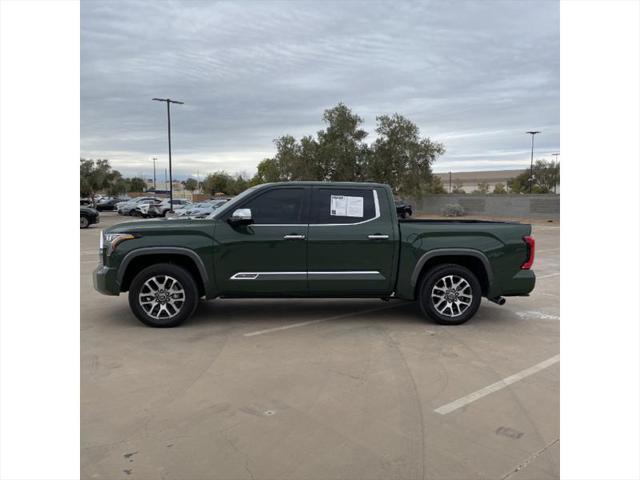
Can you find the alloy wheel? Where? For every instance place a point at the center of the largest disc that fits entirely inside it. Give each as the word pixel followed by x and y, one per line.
pixel 162 297
pixel 451 295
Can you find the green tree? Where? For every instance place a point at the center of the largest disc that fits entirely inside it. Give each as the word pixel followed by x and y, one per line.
pixel 401 158
pixel 136 184
pixel 239 184
pixel 308 167
pixel 118 185
pixel 267 172
pixel 436 185
pixel 340 151
pixel 218 182
pixel 96 176
pixel 546 175
pixel 287 157
pixel 499 189
pixel 191 184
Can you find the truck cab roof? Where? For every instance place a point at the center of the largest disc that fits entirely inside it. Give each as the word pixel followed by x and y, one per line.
pixel 325 184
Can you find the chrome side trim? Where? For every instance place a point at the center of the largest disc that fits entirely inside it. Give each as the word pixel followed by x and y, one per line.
pixel 278 225
pixel 271 275
pixel 341 275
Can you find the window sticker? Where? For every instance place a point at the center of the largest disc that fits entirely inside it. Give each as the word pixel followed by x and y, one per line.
pixel 344 206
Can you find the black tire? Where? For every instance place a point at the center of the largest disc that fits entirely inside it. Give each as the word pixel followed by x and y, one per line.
pixel 427 304
pixel 184 279
pixel 84 221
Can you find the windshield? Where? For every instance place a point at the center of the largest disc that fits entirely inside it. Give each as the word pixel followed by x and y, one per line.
pixel 231 204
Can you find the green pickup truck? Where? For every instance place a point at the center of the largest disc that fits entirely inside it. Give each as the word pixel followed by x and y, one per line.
pixel 314 239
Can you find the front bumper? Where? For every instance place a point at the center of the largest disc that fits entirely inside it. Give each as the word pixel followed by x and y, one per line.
pixel 105 280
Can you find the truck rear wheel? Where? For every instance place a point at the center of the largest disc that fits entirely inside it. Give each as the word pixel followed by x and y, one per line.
pixel 163 295
pixel 450 294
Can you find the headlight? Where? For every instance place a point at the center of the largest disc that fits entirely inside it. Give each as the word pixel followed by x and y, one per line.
pixel 109 241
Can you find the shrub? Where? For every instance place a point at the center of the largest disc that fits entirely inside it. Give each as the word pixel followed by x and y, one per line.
pixel 499 189
pixel 453 210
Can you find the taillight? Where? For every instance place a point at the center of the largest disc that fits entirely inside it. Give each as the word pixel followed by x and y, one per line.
pixel 531 250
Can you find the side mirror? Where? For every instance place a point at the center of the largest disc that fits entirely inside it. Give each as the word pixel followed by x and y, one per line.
pixel 241 216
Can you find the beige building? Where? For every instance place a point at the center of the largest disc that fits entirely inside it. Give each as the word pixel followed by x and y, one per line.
pixel 470 180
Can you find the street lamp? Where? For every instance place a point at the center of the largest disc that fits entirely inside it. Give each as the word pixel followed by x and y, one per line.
pixel 533 134
pixel 154 174
pixel 169 102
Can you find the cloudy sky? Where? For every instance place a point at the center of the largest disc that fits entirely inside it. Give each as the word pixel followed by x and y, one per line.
pixel 474 75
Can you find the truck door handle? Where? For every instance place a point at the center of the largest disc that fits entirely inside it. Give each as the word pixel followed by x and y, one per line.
pixel 378 236
pixel 293 236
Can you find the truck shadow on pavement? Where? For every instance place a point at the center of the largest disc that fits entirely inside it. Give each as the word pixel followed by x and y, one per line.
pixel 257 314
pixel 264 313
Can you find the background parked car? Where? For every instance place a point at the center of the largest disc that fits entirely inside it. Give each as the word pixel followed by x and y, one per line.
pixel 161 209
pixel 202 209
pixel 88 216
pixel 403 209
pixel 129 208
pixel 109 203
pixel 85 202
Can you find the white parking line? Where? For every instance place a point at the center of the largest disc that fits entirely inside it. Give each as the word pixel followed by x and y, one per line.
pixel 311 322
pixel 548 250
pixel 494 387
pixel 537 315
pixel 549 275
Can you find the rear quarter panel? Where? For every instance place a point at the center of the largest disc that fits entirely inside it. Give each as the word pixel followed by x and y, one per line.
pixel 501 243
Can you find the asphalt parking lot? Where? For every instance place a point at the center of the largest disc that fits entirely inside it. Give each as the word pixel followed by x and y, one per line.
pixel 322 389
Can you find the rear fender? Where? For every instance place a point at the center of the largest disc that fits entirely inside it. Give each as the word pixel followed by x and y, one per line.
pixel 448 252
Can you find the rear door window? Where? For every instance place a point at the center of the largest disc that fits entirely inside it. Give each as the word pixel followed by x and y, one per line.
pixel 342 205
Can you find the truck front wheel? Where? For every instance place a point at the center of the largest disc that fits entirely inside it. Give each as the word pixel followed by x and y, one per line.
pixel 450 294
pixel 163 295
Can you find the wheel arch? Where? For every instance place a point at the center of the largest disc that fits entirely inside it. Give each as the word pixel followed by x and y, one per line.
pixel 474 260
pixel 138 259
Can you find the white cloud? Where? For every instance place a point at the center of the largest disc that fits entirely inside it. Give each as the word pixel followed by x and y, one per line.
pixel 475 75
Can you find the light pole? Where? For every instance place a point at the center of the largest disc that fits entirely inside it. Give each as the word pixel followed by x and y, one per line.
pixel 555 181
pixel 533 134
pixel 154 174
pixel 169 102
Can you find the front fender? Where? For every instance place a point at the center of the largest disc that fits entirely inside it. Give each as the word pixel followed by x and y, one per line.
pixel 122 268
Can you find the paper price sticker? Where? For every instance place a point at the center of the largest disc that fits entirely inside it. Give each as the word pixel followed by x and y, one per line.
pixel 345 206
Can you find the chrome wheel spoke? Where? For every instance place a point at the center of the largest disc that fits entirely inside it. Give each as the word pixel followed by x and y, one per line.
pixel 162 297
